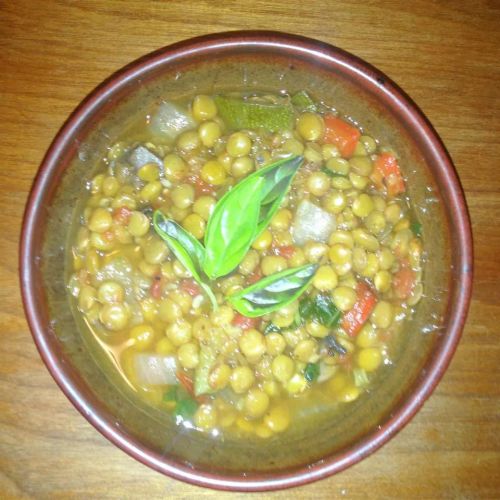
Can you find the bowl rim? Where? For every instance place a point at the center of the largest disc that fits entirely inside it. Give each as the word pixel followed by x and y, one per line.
pixel 394 98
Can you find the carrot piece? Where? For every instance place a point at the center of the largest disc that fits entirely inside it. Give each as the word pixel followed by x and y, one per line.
pixel 191 287
pixel 356 317
pixel 341 134
pixel 156 288
pixel 403 282
pixel 200 186
pixel 285 251
pixel 387 173
pixel 245 323
pixel 122 215
pixel 253 278
pixel 186 381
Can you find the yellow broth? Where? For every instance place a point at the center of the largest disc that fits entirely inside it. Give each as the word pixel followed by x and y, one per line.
pixel 262 374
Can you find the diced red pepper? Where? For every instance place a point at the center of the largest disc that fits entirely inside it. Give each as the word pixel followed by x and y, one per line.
pixel 341 134
pixel 108 235
pixel 122 215
pixel 356 317
pixel 286 251
pixel 386 173
pixel 403 282
pixel 191 287
pixel 156 288
pixel 245 323
pixel 253 278
pixel 186 381
pixel 345 361
pixel 200 186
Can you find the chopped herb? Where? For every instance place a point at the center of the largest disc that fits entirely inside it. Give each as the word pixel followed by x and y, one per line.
pixel 171 394
pixel 416 228
pixel 297 321
pixel 331 173
pixel 321 309
pixel 311 372
pixel 148 212
pixel 185 408
pixel 333 346
pixel 271 328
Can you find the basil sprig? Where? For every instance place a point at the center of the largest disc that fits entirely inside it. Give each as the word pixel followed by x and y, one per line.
pixel 241 215
pixel 188 250
pixel 273 292
pixel 232 227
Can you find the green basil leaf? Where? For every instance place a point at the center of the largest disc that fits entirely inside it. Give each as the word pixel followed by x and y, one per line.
pixel 188 250
pixel 277 179
pixel 321 309
pixel 231 227
pixel 243 213
pixel 273 292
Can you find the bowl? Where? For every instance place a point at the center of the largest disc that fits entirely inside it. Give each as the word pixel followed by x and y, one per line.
pixel 264 61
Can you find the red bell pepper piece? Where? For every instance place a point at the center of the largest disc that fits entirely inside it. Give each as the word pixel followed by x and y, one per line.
pixel 341 134
pixel 122 215
pixel 191 287
pixel 356 317
pixel 403 282
pixel 286 251
pixel 386 173
pixel 244 323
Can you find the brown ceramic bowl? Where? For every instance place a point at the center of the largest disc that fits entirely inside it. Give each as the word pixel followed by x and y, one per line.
pixel 252 60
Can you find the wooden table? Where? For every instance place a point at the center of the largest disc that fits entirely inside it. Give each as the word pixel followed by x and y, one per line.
pixel 444 54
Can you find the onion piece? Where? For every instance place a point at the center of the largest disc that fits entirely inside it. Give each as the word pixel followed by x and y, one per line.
pixel 153 369
pixel 312 223
pixel 170 120
pixel 141 156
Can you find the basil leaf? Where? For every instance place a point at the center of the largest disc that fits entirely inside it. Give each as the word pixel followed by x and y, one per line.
pixel 273 292
pixel 188 250
pixel 243 213
pixel 321 309
pixel 277 179
pixel 231 227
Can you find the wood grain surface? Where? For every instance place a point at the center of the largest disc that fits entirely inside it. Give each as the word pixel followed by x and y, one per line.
pixel 444 54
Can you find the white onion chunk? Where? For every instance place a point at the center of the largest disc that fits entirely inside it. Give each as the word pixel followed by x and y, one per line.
pixel 312 223
pixel 152 369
